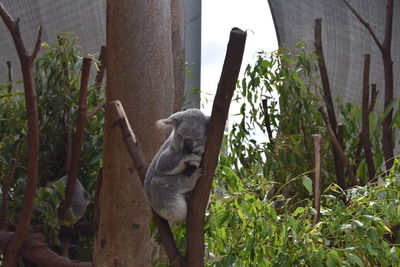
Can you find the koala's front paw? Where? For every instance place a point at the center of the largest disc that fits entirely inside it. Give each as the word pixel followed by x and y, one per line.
pixel 197 173
pixel 194 160
pixel 199 150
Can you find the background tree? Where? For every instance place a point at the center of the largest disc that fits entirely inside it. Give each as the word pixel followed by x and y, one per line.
pixel 139 74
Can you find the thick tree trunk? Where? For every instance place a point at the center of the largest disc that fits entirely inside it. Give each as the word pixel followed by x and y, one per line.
pixel 140 75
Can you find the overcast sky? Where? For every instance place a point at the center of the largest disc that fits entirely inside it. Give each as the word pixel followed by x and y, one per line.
pixel 218 18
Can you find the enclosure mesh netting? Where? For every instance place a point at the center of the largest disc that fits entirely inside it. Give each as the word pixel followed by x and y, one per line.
pixel 345 39
pixel 85 18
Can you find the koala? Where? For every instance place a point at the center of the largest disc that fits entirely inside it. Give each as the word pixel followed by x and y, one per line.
pixel 174 171
pixel 80 198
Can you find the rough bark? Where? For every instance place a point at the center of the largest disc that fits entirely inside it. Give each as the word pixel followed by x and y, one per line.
pixel 140 75
pixel 198 203
pixel 178 50
pixel 26 62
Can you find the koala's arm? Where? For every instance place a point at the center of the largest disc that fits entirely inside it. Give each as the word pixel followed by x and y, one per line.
pixel 172 162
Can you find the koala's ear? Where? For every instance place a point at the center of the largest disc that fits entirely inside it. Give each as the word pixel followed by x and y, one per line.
pixel 165 124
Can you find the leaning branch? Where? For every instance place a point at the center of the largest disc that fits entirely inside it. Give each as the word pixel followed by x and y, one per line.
pixel 80 126
pixel 336 143
pixel 365 24
pixel 327 96
pixel 26 61
pixel 216 127
pixel 141 166
pixel 35 249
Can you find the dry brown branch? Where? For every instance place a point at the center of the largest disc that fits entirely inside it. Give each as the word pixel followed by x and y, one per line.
pixel 141 165
pixel 35 249
pixel 26 61
pixel 10 76
pixel 95 109
pixel 327 96
pixel 341 153
pixel 387 132
pixel 267 120
pixel 7 182
pixel 340 137
pixel 102 68
pixel 374 96
pixel 364 23
pixel 366 141
pixel 198 203
pixel 80 126
pixel 317 175
pixel 385 48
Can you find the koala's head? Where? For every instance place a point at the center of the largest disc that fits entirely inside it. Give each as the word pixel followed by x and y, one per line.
pixel 189 130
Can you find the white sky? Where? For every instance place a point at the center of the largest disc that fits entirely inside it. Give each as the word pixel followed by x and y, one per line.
pixel 218 18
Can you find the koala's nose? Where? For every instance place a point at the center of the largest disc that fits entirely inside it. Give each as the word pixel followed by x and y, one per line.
pixel 188 145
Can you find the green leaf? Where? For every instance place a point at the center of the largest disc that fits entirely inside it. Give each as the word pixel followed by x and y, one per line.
pixel 307 182
pixel 354 259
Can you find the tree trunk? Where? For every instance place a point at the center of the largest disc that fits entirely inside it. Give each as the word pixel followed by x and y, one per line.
pixel 140 75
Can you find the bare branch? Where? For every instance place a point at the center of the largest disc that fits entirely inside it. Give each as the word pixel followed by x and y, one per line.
pixel 374 96
pixel 336 143
pixel 327 96
pixel 37 45
pixel 365 24
pixel 80 126
pixel 141 165
pixel 95 109
pixel 10 76
pixel 102 68
pixel 366 141
pixel 317 174
pixel 35 249
pixel 267 120
pixel 198 203
pixel 32 137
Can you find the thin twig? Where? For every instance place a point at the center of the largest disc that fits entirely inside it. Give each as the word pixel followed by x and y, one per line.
pixel 267 120
pixel 366 141
pixel 340 137
pixel 198 202
pixel 141 166
pixel 10 76
pixel 317 174
pixel 95 109
pixel 336 143
pixel 102 68
pixel 365 24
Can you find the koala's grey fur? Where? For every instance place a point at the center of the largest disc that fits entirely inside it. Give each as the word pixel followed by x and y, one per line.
pixel 80 198
pixel 174 171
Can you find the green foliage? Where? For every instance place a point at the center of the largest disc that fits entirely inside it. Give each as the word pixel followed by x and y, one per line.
pixel 57 80
pixel 261 210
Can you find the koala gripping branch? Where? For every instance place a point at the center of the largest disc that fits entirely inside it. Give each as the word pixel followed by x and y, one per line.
pixel 226 87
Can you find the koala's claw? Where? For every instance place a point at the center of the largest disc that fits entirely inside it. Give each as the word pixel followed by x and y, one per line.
pixel 198 173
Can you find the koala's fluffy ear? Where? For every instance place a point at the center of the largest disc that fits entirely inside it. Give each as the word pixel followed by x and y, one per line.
pixel 165 124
